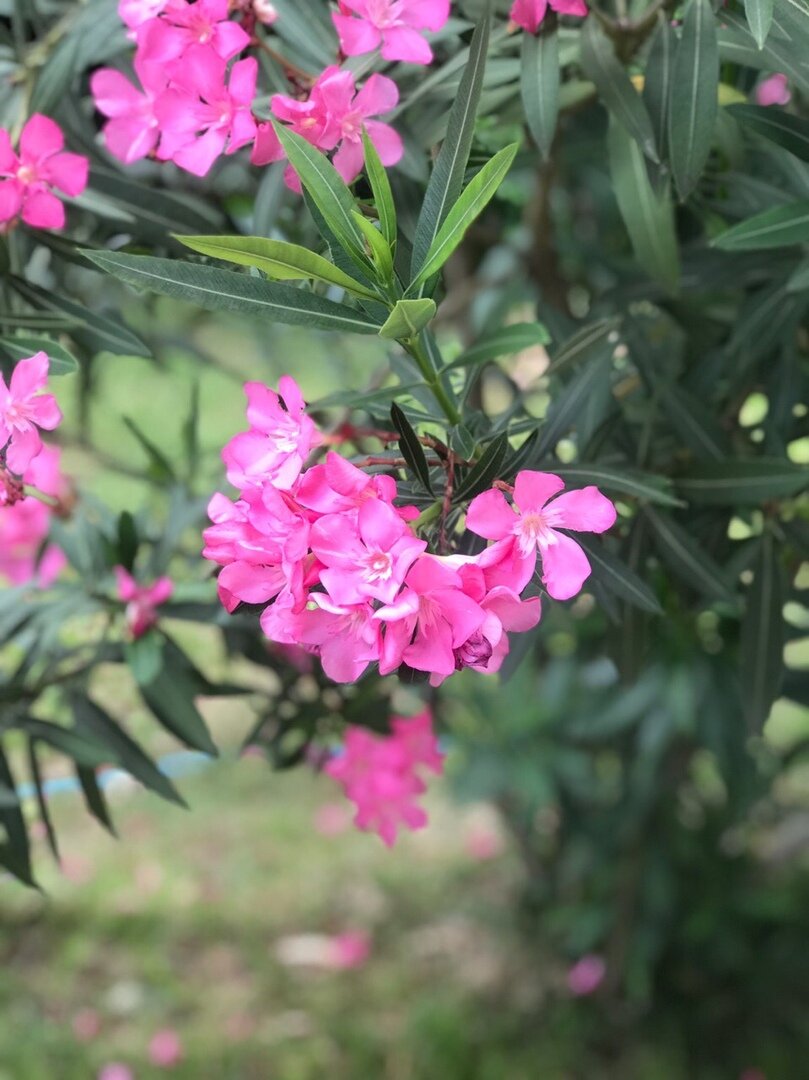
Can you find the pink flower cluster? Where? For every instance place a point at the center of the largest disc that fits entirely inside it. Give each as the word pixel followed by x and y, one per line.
pixel 389 25
pixel 25 522
pixel 380 773
pixel 29 175
pixel 343 572
pixel 195 98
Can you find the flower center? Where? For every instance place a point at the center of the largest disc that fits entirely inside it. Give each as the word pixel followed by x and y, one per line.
pixel 284 437
pixel 534 530
pixel 26 174
pixel 378 566
pixel 383 14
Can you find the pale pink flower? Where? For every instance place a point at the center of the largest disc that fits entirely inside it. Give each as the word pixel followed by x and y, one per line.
pixel 115 1070
pixel 165 1048
pixel 365 25
pixel 24 409
pixel 429 620
pixel 348 950
pixel 86 1025
pixel 280 438
pixel 380 774
pixel 142 601
pixel 182 25
pixel 132 130
pixel 529 13
pixel 586 975
pixel 773 90
pixel 28 177
pixel 532 525
pixel 201 116
pixel 24 526
pixel 265 12
pixel 366 554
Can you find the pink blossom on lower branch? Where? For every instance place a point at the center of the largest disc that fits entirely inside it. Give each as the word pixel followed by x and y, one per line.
pixel 529 14
pixel 142 601
pixel 24 409
pixel 365 25
pixel 380 774
pixel 28 177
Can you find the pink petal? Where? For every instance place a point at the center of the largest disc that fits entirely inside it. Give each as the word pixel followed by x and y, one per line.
pixel 42 210
pixel 40 138
pixel 432 652
pixel 564 567
pixel 68 172
pixel 585 510
pixel 267 146
pixel 513 613
pixel 528 14
pixel 242 131
pixel 45 413
pixel 252 584
pixel 533 489
pixel 23 448
pixel 159 592
pixel 348 161
pixel 387 141
pixel 127 588
pixel 402 43
pixel 356 35
pixel 291 393
pixel 29 376
pixel 8 159
pixel 201 72
pixel 379 95
pixel 11 192
pixel 504 565
pixel 426 14
pixel 569 7
pixel 490 516
pixel 198 157
pixel 379 524
pixel 229 39
pixel 130 139
pixel 242 84
pixel 462 613
pixel 430 572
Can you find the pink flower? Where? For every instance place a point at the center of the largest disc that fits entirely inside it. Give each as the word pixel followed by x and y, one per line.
pixel 586 975
pixel 134 13
pixel 364 25
pixel 280 438
pixel 349 950
pixel 366 556
pixel 200 115
pixel 429 620
pixel 337 486
pixel 165 1048
pixel 335 114
pixel 24 526
pixel 265 12
pixel 773 91
pixel 115 1070
pixel 142 601
pixel 345 638
pixel 380 774
pixel 267 146
pixel 529 13
pixel 26 179
pixel 182 25
pixel 23 409
pixel 532 525
pixel 132 129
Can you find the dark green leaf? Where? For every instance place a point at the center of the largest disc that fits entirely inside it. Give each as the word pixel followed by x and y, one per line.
pixel 763 637
pixel 380 186
pixel 485 470
pixel 759 19
pixel 410 447
pixel 782 226
pixel 15 852
pixel 94 797
pixel 644 486
pixel 170 696
pixel 657 81
pixel 566 407
pixel 160 468
pixel 539 84
pixel 462 441
pixel 577 347
pixel 20 347
pixel 618 578
pixel 505 341
pixel 82 750
pixel 693 97
pixel 777 125
pixel 746 483
pixel 687 559
pixel 44 813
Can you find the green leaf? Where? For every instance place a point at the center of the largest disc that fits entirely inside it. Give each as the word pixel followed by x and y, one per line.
pixel 56 75
pixel 759 19
pixel 44 813
pixel 618 578
pixel 539 85
pixel 567 407
pixel 640 485
pixel 615 87
pixel 649 217
pixel 410 447
pixel 782 226
pixel 94 797
pixel 225 290
pixel 160 468
pixel 144 656
pixel 462 441
pixel 799 278
pixel 783 128
pixel 380 186
pixel 485 470
pixel 763 636
pixel 78 747
pixel 693 421
pixel 743 483
pixel 276 258
pixel 15 851
pixel 446 180
pixel 408 318
pixel 470 204
pixel 378 248
pixel 578 347
pixel 329 193
pixel 20 347
pixel 359 401
pixel 657 82
pixel 505 341
pixel 687 559
pixel 123 750
pixel 693 97
pixel 170 696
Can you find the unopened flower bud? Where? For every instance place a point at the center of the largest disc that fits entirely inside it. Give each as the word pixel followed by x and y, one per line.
pixel 476 651
pixel 265 12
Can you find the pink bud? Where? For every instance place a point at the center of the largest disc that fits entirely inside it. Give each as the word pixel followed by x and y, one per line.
pixel 586 975
pixel 265 12
pixel 165 1048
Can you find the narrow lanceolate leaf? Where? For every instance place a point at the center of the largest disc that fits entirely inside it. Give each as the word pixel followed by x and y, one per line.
pixel 447 177
pixel 44 813
pixel 618 578
pixel 170 697
pixel 743 483
pixel 485 471
pixel 777 125
pixel 657 82
pixel 505 341
pixel 693 96
pixel 759 19
pixel 380 186
pixel 94 797
pixel 615 88
pixel 329 193
pixel 225 290
pixel 20 347
pixel 377 247
pixel 539 84
pixel 408 318
pixel 640 485
pixel 567 407
pixel 649 217
pixel 277 259
pixel 15 850
pixel 476 195
pixel 782 226
pixel 687 559
pixel 693 421
pixel 578 347
pixel 763 636
pixel 799 279
pixel 410 447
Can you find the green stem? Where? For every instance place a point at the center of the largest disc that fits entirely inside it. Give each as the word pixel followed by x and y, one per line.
pixel 416 349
